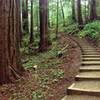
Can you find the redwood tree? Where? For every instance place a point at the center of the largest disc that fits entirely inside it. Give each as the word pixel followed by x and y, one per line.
pixel 10 63
pixel 57 19
pixel 19 22
pixel 93 14
pixel 43 25
pixel 62 9
pixel 31 40
pixel 25 15
pixel 79 14
pixel 73 10
pixel 85 17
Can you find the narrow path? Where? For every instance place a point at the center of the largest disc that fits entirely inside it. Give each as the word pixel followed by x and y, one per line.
pixel 87 82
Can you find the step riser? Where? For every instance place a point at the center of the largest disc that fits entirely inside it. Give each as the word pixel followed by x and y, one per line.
pixel 90 64
pixel 89 70
pixel 81 92
pixel 91 50
pixel 91 59
pixel 85 49
pixel 92 55
pixel 86 52
pixel 85 79
pixel 88 49
pixel 86 56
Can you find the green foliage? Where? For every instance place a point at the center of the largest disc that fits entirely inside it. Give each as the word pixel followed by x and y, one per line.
pixel 73 28
pixel 92 30
pixel 62 51
pixel 69 20
pixel 37 95
pixel 44 60
pixel 57 74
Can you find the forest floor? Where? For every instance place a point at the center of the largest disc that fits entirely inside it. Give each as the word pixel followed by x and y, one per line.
pixel 53 74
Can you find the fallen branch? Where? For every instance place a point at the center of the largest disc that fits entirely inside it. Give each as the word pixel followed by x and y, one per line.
pixel 15 74
pixel 62 51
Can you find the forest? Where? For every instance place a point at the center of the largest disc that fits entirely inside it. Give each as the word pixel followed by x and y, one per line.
pixel 48 45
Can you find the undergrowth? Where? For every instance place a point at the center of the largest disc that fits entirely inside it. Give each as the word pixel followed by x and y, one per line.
pixel 72 29
pixel 47 71
pixel 43 60
pixel 91 29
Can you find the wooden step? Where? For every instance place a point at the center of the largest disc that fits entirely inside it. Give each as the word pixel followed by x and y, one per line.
pixel 90 68
pixel 90 59
pixel 91 49
pixel 85 88
pixel 90 63
pixel 87 50
pixel 90 53
pixel 85 78
pixel 80 97
pixel 88 75
pixel 87 82
pixel 90 56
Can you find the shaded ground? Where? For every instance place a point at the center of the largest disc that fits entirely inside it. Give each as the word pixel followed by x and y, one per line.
pixel 70 65
pixel 52 76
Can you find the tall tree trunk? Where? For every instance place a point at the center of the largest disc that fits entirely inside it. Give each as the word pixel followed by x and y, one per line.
pixel 18 8
pixel 43 25
pixel 25 15
pixel 62 12
pixel 73 10
pixel 31 40
pixel 21 11
pixel 57 19
pixel 93 14
pixel 10 63
pixel 37 23
pixel 48 15
pixel 85 11
pixel 79 14
pixel 88 7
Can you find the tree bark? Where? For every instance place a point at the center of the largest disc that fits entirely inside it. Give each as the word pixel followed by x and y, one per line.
pixel 62 9
pixel 73 10
pixel 25 16
pixel 43 25
pixel 93 14
pixel 18 17
pixel 10 63
pixel 79 14
pixel 85 12
pixel 31 40
pixel 49 24
pixel 57 19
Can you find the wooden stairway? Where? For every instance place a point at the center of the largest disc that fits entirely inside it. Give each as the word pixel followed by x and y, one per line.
pixel 87 82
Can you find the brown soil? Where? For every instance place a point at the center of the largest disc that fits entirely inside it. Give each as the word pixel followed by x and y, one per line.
pixel 71 63
pixel 23 89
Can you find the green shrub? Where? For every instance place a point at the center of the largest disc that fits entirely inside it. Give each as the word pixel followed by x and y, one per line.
pixel 57 74
pixel 92 30
pixel 37 95
pixel 71 29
